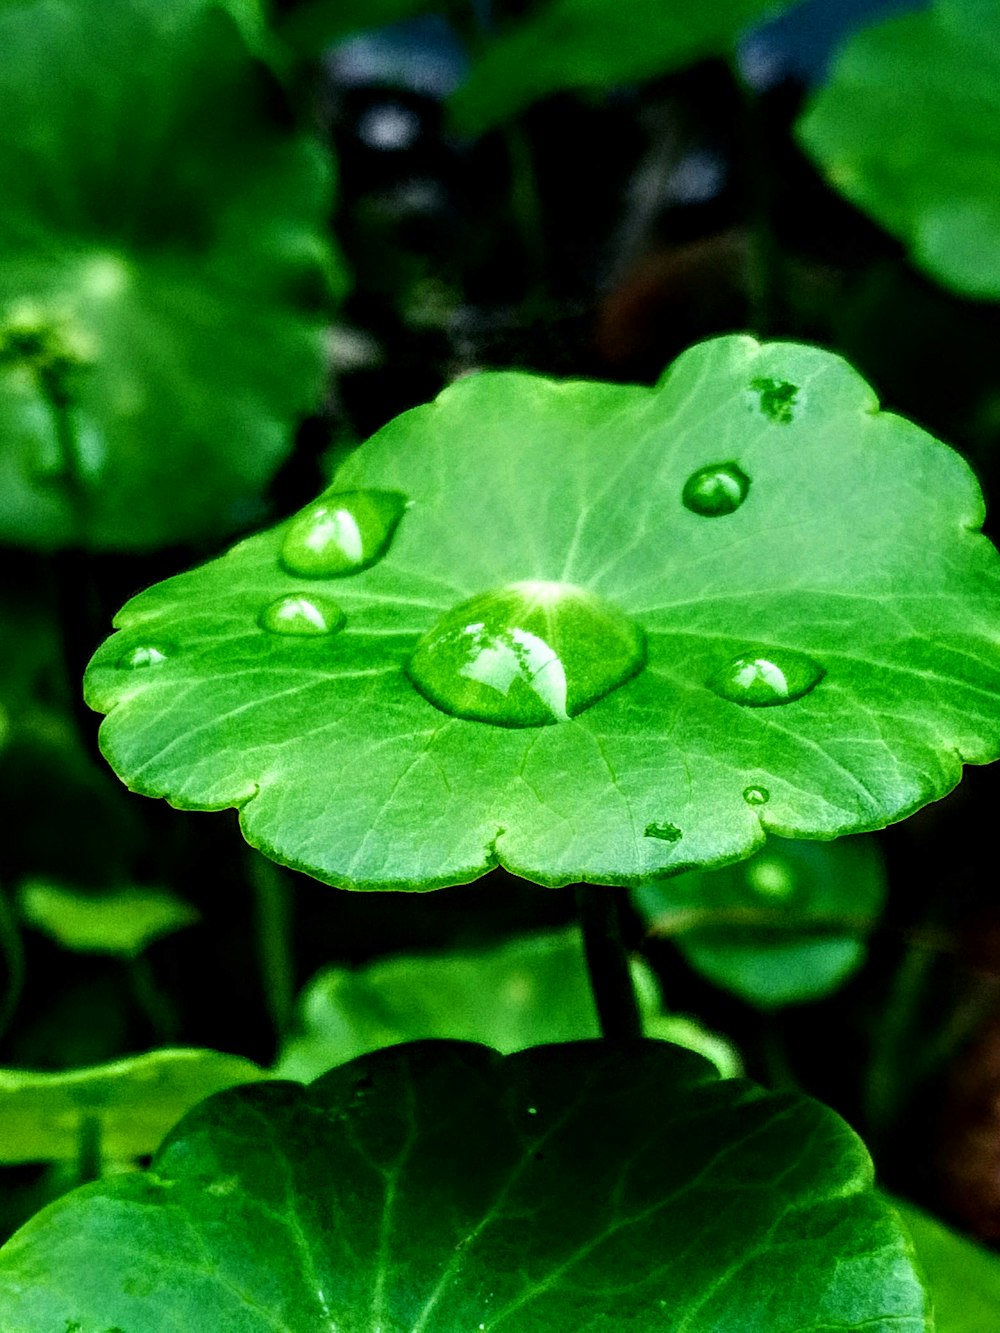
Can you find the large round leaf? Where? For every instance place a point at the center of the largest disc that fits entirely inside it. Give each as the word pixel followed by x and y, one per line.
pixel 854 551
pixel 442 1188
pixel 597 44
pixel 162 275
pixel 908 128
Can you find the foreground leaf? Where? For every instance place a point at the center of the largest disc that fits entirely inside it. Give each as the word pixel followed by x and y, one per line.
pixel 963 1278
pixel 908 128
pixel 526 992
pixel 131 1103
pixel 163 271
pixel 314 25
pixel 597 44
pixel 442 1187
pixel 779 647
pixel 786 926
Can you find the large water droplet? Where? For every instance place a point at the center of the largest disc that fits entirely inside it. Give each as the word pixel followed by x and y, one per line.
pixel 526 655
pixel 143 655
pixel 764 677
pixel 341 533
pixel 302 615
pixel 756 795
pixel 717 489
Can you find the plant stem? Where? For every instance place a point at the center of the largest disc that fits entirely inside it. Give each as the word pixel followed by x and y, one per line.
pixel 607 963
pixel 12 947
pixel 274 940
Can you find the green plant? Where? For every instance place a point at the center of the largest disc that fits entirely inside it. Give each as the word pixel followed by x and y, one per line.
pixel 683 646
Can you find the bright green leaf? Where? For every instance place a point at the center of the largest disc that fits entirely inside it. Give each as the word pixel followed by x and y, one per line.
pixel 524 993
pixel 123 922
pixel 163 271
pixel 786 926
pixel 908 128
pixel 442 1188
pixel 133 1102
pixel 963 1278
pixel 597 44
pixel 856 550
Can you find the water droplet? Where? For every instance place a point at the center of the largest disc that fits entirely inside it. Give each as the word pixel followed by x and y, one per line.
pixel 532 1110
pixel 756 795
pixel 526 655
pixel 665 832
pixel 762 678
pixel 771 877
pixel 775 399
pixel 717 489
pixel 302 615
pixel 341 533
pixel 143 655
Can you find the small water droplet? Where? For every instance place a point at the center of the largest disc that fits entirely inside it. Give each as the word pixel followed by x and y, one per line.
pixel 763 677
pixel 665 832
pixel 526 655
pixel 143 655
pixel 770 877
pixel 341 533
pixel 302 615
pixel 776 399
pixel 532 1110
pixel 756 795
pixel 717 489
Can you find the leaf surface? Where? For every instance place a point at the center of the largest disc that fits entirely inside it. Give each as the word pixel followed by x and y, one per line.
pixel 440 1187
pixel 908 128
pixel 855 549
pixel 963 1278
pixel 572 44
pixel 122 922
pixel 164 274
pixel 786 926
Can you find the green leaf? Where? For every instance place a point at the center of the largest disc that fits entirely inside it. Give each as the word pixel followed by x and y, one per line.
pixel 164 271
pixel 908 128
pixel 311 27
pixel 524 993
pixel 856 548
pixel 123 922
pixel 596 44
pixel 132 1103
pixel 786 926
pixel 963 1278
pixel 440 1186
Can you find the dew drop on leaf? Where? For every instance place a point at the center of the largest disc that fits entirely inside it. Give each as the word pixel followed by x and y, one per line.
pixel 526 655
pixel 715 490
pixel 143 655
pixel 756 795
pixel 299 614
pixel 776 399
pixel 341 533
pixel 763 678
pixel 665 832
pixel 771 877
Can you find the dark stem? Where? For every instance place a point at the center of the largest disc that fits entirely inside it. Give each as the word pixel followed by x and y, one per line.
pixel 275 946
pixel 607 963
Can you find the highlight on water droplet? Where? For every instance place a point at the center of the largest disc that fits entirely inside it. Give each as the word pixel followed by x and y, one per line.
pixel 143 655
pixel 301 614
pixel 765 677
pixel 770 877
pixel 341 533
pixel 527 655
pixel 775 399
pixel 719 488
pixel 664 832
pixel 756 795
